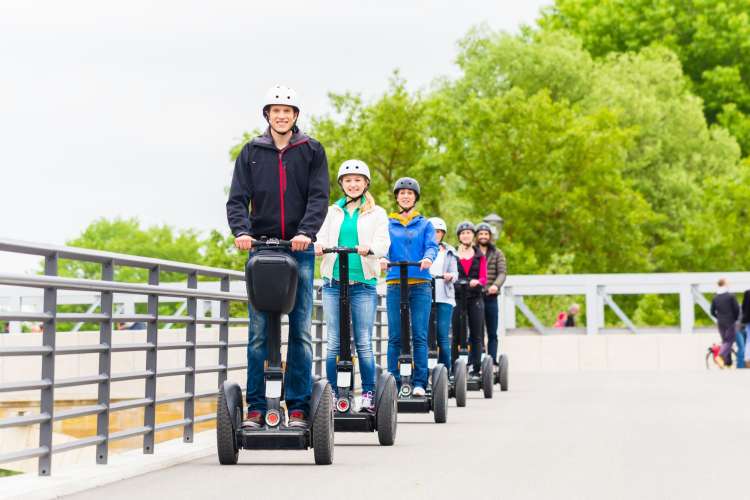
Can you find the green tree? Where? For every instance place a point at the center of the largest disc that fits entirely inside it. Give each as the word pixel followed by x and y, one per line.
pixel 670 154
pixel 126 236
pixel 389 134
pixel 711 39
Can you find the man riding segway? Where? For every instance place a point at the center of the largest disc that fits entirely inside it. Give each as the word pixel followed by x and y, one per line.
pixel 284 174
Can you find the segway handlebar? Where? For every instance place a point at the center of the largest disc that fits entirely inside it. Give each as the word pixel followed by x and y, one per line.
pixel 404 263
pixel 341 250
pixel 271 243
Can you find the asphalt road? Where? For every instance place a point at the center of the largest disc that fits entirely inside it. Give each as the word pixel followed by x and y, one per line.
pixel 584 435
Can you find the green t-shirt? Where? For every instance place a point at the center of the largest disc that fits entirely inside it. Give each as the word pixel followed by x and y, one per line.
pixel 348 238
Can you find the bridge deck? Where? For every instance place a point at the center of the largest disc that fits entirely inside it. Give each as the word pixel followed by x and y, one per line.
pixel 571 435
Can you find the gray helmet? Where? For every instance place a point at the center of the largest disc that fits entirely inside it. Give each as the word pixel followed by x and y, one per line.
pixel 465 225
pixel 483 226
pixel 406 183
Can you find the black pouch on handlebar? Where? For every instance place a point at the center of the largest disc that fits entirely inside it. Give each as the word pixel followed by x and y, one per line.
pixel 271 278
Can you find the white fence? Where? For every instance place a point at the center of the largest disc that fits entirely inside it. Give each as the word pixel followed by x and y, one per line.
pixel 598 290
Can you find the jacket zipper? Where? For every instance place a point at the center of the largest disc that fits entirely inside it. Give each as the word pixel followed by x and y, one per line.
pixel 282 183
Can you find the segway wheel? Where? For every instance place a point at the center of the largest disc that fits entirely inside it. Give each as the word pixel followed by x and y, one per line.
pixel 226 444
pixel 322 430
pixel 488 376
pixel 387 413
pixel 502 372
pixel 459 377
pixel 440 396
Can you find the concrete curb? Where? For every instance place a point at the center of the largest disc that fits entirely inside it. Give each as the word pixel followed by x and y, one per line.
pixel 75 479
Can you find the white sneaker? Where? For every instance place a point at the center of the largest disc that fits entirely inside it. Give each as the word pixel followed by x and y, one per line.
pixel 366 403
pixel 418 392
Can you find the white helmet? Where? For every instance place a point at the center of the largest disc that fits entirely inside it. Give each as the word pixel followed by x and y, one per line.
pixel 279 94
pixel 354 167
pixel 439 224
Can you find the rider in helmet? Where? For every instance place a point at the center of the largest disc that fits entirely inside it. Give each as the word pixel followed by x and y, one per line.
pixel 284 174
pixel 472 267
pixel 445 265
pixel 353 221
pixel 412 239
pixel 496 273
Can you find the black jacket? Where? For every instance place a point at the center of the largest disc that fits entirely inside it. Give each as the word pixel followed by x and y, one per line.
pixel 746 307
pixel 288 188
pixel 725 309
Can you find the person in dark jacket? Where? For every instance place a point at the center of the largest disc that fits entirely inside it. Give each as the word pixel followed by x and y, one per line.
pixel 472 269
pixel 284 175
pixel 726 310
pixel 743 331
pixel 496 274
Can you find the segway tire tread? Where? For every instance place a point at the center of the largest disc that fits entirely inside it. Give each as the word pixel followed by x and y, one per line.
pixel 488 376
pixel 225 433
pixel 322 430
pixel 503 372
pixel 460 383
pixel 388 414
pixel 440 397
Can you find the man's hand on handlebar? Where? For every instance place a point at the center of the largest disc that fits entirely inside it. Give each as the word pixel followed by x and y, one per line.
pixel 448 277
pixel 384 264
pixel 492 290
pixel 318 249
pixel 363 250
pixel 300 243
pixel 474 283
pixel 243 242
pixel 424 264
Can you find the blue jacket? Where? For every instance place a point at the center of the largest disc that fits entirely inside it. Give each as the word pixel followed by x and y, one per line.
pixel 413 242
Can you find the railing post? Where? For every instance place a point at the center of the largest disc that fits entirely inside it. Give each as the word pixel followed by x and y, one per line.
pixel 105 364
pixel 319 332
pixel 152 337
pixel 190 337
pixel 508 311
pixel 224 332
pixel 687 310
pixel 47 397
pixel 379 331
pixel 593 310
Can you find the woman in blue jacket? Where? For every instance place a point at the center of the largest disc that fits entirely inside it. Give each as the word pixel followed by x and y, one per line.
pixel 412 239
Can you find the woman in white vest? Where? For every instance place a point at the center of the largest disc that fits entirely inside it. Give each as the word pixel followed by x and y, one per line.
pixel 353 221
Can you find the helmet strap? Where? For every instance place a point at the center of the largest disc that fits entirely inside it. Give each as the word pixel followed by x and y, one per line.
pixel 354 199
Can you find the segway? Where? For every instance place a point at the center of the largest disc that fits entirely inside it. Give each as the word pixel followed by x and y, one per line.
pixel 485 379
pixel 345 419
pixel 501 372
pixel 436 392
pixel 271 275
pixel 457 379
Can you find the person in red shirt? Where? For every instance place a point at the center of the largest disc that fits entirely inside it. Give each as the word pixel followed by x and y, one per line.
pixel 472 267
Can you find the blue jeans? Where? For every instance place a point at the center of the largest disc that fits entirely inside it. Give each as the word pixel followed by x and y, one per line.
pixel 420 300
pixel 444 315
pixel 741 340
pixel 490 320
pixel 364 302
pixel 298 376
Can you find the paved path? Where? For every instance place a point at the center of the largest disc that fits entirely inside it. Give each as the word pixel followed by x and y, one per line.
pixel 582 435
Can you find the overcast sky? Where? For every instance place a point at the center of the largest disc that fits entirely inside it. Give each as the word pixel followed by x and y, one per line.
pixel 129 109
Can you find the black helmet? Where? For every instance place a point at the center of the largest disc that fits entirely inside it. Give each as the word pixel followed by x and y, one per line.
pixel 465 225
pixel 406 183
pixel 483 226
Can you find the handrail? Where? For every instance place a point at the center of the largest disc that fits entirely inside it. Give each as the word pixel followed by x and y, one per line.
pixel 150 372
pixel 119 259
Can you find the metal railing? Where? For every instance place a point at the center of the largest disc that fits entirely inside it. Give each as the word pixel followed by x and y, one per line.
pixel 50 282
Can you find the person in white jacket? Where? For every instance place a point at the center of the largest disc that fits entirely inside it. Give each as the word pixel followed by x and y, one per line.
pixel 353 221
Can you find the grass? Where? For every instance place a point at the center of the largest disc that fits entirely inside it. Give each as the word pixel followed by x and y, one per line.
pixel 6 472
